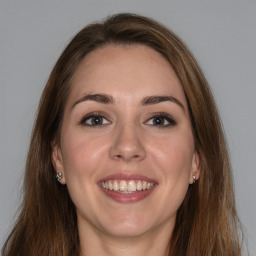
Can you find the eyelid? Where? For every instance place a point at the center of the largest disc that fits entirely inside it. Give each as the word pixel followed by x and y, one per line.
pixel 168 117
pixel 94 114
pixel 171 121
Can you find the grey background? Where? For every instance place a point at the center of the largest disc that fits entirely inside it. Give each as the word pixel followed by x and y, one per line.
pixel 220 33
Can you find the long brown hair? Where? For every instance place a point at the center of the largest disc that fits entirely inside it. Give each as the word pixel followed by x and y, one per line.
pixel 207 222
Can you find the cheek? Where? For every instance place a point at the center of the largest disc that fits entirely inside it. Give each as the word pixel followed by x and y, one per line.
pixel 81 160
pixel 174 156
pixel 81 155
pixel 176 165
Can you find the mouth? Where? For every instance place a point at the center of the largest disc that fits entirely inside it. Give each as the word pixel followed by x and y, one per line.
pixel 127 188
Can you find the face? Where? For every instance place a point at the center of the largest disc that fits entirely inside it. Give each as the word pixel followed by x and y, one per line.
pixel 126 151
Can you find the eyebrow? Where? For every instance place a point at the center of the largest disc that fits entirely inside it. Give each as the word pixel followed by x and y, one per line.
pixel 151 100
pixel 107 99
pixel 100 98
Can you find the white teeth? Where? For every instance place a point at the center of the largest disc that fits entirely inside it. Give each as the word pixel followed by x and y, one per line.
pixel 115 186
pixel 110 186
pixel 144 185
pixel 131 186
pixel 139 185
pixel 125 187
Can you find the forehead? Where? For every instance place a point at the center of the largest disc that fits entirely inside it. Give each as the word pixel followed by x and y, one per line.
pixel 131 72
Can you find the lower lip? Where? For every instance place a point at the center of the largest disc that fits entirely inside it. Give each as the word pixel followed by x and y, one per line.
pixel 127 198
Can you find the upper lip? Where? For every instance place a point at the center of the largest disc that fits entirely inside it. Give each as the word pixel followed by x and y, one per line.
pixel 128 176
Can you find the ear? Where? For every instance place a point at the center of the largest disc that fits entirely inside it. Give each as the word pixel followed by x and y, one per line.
pixel 57 161
pixel 195 168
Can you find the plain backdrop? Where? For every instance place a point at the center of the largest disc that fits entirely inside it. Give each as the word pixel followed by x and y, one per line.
pixel 220 33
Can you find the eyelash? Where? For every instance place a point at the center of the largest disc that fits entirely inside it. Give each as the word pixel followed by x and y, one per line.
pixel 91 116
pixel 163 116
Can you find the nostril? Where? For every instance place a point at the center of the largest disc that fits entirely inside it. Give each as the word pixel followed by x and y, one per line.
pixel 127 149
pixel 121 156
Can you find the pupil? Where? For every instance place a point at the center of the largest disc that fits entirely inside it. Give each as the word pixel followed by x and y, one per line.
pixel 96 120
pixel 158 121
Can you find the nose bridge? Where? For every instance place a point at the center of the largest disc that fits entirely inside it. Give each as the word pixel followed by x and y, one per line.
pixel 127 142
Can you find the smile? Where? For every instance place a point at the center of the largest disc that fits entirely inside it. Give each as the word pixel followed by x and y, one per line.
pixel 125 187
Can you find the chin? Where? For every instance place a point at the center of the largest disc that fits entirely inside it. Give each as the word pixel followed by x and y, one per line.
pixel 130 225
pixel 126 230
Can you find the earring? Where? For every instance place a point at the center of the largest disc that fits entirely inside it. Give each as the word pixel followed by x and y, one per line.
pixel 194 179
pixel 59 176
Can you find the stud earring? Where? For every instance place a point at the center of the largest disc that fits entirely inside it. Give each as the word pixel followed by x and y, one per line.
pixel 59 177
pixel 194 179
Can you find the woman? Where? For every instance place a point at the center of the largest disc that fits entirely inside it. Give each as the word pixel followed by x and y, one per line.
pixel 128 127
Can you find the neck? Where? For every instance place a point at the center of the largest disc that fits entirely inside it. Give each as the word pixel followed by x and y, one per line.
pixel 94 242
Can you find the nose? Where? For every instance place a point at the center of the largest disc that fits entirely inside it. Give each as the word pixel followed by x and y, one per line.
pixel 127 144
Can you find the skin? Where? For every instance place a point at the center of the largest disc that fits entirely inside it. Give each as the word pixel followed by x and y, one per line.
pixel 127 142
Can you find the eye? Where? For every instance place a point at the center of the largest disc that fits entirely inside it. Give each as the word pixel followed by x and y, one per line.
pixel 161 120
pixel 94 119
